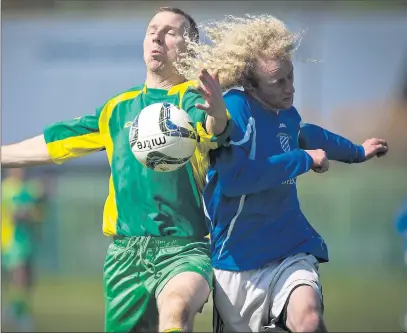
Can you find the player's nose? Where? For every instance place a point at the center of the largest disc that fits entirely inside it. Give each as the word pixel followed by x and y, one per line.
pixel 289 89
pixel 157 39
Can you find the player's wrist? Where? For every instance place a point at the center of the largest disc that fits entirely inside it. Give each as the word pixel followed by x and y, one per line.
pixel 216 125
pixel 360 154
pixel 220 116
pixel 309 160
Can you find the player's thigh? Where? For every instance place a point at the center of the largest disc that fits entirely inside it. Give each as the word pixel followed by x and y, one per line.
pixel 241 299
pixel 129 304
pixel 304 304
pixel 185 293
pixel 187 280
pixel 297 290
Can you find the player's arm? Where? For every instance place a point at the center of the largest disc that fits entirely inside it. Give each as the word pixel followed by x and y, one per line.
pixel 218 131
pixel 336 147
pixel 207 140
pixel 216 125
pixel 239 173
pixel 59 143
pixel 29 152
pixel 212 104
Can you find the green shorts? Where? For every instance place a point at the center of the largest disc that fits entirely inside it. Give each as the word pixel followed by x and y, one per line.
pixel 137 269
pixel 20 251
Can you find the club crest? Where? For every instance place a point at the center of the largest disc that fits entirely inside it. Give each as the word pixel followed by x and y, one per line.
pixel 284 142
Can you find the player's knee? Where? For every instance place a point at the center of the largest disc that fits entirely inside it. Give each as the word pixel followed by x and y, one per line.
pixel 307 320
pixel 311 322
pixel 174 308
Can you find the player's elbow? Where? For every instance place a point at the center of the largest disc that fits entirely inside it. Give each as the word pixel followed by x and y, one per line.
pixel 307 132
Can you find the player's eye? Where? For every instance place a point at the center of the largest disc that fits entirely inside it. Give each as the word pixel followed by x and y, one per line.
pixel 291 75
pixel 280 82
pixel 171 33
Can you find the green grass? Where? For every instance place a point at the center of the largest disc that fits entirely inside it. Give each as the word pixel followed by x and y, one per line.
pixel 365 303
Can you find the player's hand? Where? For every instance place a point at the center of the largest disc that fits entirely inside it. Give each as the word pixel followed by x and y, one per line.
pixel 320 160
pixel 375 147
pixel 211 91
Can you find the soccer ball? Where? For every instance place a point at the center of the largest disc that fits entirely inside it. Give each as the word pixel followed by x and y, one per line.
pixel 162 137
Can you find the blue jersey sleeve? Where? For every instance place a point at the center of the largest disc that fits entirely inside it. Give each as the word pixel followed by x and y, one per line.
pixel 238 172
pixel 336 147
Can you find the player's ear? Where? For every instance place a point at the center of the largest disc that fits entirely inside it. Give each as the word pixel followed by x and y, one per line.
pixel 249 81
pixel 250 84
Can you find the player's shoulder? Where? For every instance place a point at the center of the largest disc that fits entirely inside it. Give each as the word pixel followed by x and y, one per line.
pixel 137 88
pixel 185 88
pixel 189 96
pixel 129 92
pixel 125 94
pixel 238 105
pixel 236 95
pixel 293 110
pixel 10 187
pixel 118 98
pixel 294 114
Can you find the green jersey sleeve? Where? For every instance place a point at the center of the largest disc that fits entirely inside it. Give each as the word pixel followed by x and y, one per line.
pixel 74 138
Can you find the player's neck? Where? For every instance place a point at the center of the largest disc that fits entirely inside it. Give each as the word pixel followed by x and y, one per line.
pixel 265 105
pixel 157 81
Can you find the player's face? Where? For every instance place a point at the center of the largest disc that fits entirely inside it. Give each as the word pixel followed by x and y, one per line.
pixel 16 173
pixel 164 39
pixel 275 79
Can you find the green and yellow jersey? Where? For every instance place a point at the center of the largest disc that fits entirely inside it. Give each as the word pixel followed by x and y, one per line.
pixel 141 202
pixel 21 209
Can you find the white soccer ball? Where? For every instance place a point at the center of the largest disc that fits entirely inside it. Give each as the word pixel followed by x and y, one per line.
pixel 162 137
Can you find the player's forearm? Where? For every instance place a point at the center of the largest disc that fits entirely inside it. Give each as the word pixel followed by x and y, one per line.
pixel 216 125
pixel 26 153
pixel 336 147
pixel 244 176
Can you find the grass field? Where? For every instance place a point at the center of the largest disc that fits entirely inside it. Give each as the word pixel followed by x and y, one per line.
pixel 358 304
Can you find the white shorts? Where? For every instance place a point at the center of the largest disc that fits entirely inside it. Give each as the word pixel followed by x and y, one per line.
pixel 249 301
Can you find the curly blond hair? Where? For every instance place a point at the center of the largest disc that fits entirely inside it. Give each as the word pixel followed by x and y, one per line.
pixel 233 45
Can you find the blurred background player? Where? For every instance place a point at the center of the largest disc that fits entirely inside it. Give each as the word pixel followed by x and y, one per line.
pixel 23 201
pixel 401 227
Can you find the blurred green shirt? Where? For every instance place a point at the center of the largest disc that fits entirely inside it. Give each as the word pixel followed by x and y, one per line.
pixel 22 208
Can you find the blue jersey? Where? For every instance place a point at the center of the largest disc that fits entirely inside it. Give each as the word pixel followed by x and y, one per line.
pixel 251 199
pixel 401 223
